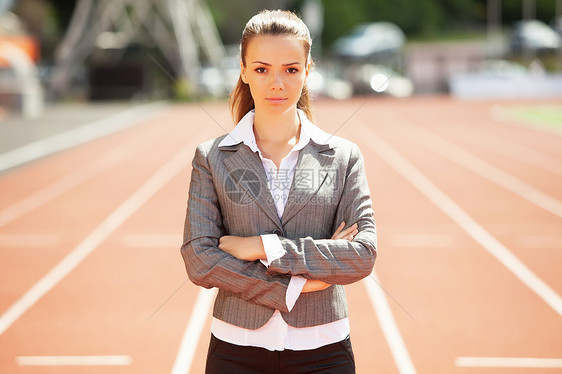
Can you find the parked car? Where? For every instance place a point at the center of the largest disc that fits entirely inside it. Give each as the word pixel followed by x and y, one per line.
pixel 534 35
pixel 370 40
pixel 370 59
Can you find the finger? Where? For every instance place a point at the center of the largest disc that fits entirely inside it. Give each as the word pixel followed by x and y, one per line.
pixel 348 231
pixel 319 285
pixel 340 227
pixel 223 242
pixel 323 286
pixel 352 235
pixel 338 230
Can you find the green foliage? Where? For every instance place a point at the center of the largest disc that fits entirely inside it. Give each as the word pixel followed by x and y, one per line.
pixel 184 90
pixel 512 10
pixel 415 17
pixel 419 19
pixel 63 12
pixel 340 17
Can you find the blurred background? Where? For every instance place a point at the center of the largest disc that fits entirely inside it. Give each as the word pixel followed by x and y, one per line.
pixel 55 50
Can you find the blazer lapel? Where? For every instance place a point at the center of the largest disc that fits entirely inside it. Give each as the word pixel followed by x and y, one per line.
pixel 247 173
pixel 312 171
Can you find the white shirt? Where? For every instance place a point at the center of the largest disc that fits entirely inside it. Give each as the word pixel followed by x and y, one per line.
pixel 276 334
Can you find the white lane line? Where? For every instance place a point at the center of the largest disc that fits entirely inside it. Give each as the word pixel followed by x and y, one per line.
pixel 484 169
pixel 465 222
pixel 199 316
pixel 63 185
pixel 96 237
pixel 513 150
pixel 389 327
pixel 540 241
pixel 83 134
pixel 509 362
pixel 29 240
pixel 74 360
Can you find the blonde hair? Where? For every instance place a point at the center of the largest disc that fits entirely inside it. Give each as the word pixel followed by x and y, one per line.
pixel 275 23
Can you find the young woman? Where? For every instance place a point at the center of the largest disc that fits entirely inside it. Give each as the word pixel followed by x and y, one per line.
pixel 279 218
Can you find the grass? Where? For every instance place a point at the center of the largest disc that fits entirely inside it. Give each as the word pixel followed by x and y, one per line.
pixel 545 115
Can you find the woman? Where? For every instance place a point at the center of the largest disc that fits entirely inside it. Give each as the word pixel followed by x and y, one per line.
pixel 263 201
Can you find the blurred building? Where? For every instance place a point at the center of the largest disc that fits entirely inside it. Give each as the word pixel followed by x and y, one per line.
pixel 135 48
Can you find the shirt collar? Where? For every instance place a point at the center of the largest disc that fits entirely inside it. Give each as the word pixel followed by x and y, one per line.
pixel 243 133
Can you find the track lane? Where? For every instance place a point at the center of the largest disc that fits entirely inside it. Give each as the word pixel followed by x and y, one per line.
pixel 464 303
pixel 534 166
pixel 71 217
pixel 427 162
pixel 133 168
pixel 509 214
pixel 483 118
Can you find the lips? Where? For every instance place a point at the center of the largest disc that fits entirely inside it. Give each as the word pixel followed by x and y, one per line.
pixel 276 100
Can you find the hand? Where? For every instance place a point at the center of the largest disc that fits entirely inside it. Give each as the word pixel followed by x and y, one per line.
pixel 313 285
pixel 347 234
pixel 243 248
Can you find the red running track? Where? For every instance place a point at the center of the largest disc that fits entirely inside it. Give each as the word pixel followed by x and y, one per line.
pixel 470 245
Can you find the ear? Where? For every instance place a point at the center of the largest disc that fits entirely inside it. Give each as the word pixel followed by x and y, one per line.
pixel 243 72
pixel 307 69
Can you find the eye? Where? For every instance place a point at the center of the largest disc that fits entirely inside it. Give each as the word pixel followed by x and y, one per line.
pixel 260 70
pixel 292 70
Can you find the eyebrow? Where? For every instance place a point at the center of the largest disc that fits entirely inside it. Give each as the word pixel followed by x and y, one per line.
pixel 267 64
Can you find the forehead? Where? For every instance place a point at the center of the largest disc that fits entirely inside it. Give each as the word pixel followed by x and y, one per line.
pixel 269 48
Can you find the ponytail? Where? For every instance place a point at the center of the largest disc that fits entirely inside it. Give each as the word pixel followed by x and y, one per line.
pixel 240 101
pixel 304 103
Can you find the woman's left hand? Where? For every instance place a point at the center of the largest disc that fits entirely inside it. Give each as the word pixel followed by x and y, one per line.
pixel 347 234
pixel 243 248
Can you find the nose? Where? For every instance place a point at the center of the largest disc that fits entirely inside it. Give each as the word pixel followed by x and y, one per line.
pixel 277 83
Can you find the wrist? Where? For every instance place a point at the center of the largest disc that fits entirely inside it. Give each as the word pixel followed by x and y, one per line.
pixel 260 251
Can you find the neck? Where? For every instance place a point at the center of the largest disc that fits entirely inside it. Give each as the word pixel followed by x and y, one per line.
pixel 276 128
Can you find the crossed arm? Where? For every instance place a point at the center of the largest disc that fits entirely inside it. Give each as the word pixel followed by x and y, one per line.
pixel 208 266
pixel 349 254
pixel 346 257
pixel 251 249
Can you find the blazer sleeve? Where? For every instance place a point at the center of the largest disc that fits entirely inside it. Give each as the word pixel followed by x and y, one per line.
pixel 337 261
pixel 206 264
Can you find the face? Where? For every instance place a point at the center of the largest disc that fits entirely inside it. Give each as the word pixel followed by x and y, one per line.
pixel 276 70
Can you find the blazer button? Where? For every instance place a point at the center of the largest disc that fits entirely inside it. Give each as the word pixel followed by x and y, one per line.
pixel 278 232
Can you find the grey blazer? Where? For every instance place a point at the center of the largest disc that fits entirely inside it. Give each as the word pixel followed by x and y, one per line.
pixel 229 195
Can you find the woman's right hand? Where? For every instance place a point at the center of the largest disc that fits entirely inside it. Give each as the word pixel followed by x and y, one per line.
pixel 313 285
pixel 349 233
